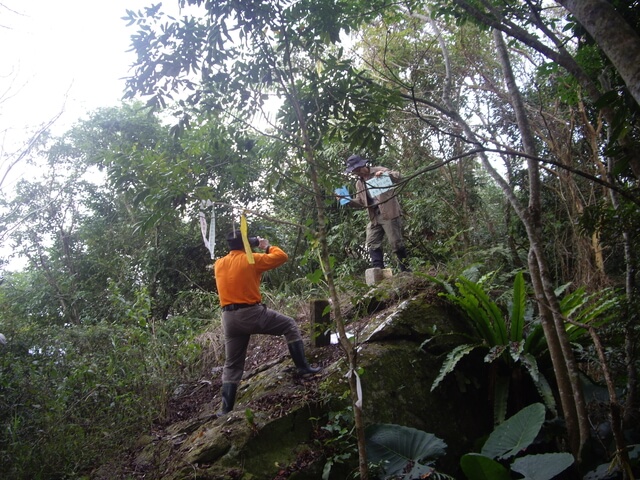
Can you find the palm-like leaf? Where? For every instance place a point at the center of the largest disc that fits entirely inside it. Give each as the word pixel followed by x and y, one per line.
pixel 591 309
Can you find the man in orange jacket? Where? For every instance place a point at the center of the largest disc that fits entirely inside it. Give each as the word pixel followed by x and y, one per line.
pixel 243 314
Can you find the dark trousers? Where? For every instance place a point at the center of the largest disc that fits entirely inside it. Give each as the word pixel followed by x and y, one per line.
pixel 238 327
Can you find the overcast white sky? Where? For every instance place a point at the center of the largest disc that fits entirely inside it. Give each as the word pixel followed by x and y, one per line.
pixel 61 55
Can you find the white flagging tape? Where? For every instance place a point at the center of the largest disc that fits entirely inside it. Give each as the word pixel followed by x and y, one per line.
pixel 210 239
pixel 212 231
pixel 203 229
pixel 358 386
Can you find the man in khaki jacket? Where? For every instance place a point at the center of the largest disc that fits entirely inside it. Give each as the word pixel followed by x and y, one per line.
pixel 375 192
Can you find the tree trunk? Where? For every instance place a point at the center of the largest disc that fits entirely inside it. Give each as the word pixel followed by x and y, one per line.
pixel 616 38
pixel 571 396
pixel 349 348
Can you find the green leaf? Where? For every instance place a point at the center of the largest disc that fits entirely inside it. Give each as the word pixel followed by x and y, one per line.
pixel 515 434
pixel 573 301
pixel 479 467
pixel 453 357
pixel 248 413
pixel 478 317
pixel 542 467
pixel 591 309
pixel 487 309
pixel 535 343
pixel 394 446
pixel 315 276
pixel 541 383
pixel 326 471
pixel 501 397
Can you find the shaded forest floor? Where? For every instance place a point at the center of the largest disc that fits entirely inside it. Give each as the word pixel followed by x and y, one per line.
pixel 264 350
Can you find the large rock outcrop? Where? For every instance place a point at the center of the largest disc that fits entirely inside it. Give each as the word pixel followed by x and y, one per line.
pixel 279 427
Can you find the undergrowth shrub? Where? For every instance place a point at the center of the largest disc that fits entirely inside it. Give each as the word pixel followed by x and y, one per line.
pixel 71 397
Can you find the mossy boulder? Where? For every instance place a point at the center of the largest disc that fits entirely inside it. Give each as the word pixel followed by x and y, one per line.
pixel 276 429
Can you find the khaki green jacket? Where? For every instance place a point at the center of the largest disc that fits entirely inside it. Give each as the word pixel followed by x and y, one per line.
pixel 387 202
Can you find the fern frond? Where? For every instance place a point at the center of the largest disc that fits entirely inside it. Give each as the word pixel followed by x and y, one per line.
pixel 535 343
pixel 501 399
pixel 453 357
pixel 491 314
pixel 602 302
pixel 572 301
pixel 591 309
pixel 541 383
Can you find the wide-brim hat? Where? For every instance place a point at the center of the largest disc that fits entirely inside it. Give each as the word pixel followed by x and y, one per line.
pixel 355 161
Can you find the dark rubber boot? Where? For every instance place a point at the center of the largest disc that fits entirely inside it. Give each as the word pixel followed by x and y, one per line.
pixel 296 349
pixel 377 258
pixel 228 398
pixel 402 257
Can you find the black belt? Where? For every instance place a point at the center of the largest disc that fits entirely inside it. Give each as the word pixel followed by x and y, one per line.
pixel 237 306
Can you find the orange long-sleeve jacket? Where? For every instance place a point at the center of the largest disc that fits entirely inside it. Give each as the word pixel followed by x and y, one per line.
pixel 238 281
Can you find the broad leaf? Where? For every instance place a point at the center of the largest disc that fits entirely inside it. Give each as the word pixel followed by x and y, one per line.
pixel 394 446
pixel 479 467
pixel 515 434
pixel 542 467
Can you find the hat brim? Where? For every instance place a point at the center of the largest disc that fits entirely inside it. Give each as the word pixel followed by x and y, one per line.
pixel 359 164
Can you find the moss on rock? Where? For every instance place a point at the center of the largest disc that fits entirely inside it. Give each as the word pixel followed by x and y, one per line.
pixel 285 413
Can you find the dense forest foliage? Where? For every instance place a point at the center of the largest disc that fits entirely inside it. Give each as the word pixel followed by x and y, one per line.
pixel 513 123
